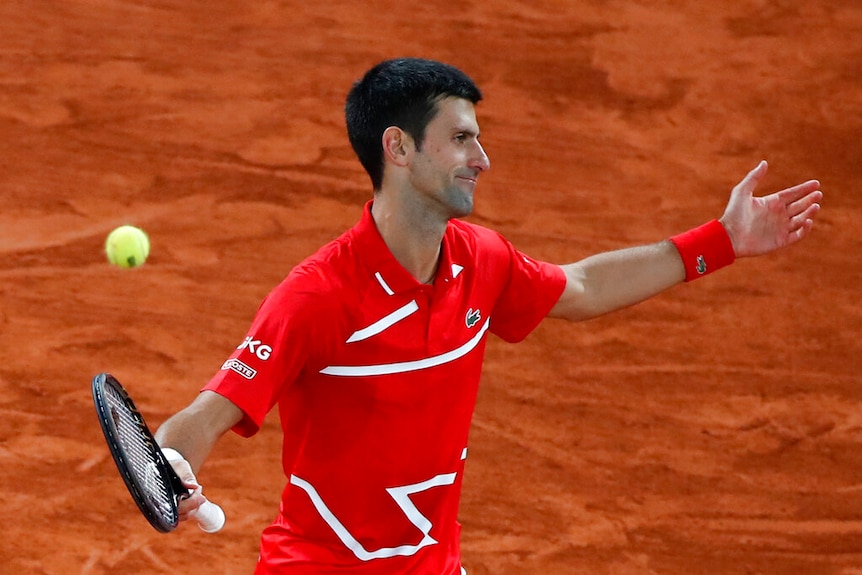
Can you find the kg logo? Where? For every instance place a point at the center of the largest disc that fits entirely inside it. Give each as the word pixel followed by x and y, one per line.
pixel 257 347
pixel 473 317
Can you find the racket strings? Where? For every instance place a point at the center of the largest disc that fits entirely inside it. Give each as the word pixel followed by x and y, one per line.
pixel 139 454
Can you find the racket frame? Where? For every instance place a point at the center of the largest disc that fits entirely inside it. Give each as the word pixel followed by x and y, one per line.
pixel 121 459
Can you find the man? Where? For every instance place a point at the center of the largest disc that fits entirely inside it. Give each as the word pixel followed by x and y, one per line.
pixel 372 347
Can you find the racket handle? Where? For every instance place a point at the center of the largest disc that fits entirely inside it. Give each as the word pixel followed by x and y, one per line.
pixel 210 517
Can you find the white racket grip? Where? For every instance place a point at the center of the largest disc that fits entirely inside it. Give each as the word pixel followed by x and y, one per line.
pixel 209 516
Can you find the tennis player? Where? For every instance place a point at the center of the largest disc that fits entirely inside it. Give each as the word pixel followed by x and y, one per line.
pixel 372 347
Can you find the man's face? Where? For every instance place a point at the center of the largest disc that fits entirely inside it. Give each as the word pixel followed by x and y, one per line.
pixel 446 169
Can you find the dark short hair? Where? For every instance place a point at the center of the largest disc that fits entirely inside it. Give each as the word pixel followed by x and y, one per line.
pixel 403 92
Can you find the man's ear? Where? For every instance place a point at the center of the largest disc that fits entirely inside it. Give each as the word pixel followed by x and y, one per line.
pixel 397 145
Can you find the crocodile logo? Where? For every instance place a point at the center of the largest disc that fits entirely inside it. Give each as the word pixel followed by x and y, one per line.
pixel 473 317
pixel 701 265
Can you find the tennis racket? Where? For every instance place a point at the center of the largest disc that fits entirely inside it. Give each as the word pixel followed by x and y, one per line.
pixel 152 482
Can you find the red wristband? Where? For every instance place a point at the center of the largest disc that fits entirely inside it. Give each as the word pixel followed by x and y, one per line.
pixel 704 249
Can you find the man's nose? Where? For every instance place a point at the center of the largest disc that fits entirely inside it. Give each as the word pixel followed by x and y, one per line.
pixel 480 161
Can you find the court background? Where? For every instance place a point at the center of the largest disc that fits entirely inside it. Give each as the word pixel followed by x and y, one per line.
pixel 714 429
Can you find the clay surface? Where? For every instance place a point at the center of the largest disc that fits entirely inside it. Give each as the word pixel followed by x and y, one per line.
pixel 715 429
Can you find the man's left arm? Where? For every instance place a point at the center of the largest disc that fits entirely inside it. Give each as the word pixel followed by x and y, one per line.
pixel 750 226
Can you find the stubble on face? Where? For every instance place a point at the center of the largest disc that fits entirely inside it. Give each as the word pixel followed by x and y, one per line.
pixel 441 172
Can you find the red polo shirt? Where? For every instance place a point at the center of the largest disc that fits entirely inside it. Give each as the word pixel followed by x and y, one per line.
pixel 376 376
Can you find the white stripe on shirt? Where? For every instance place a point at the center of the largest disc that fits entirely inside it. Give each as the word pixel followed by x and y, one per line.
pixel 405 366
pixel 384 323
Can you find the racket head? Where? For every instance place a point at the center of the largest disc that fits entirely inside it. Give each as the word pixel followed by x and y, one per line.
pixel 150 479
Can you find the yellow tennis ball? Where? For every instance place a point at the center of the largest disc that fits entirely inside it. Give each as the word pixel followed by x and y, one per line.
pixel 127 247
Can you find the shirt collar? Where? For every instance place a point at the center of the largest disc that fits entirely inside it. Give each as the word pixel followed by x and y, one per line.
pixel 375 255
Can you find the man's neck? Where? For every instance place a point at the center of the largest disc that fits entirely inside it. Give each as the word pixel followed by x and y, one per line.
pixel 411 233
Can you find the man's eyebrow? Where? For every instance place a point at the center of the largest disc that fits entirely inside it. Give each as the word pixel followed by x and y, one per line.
pixel 467 131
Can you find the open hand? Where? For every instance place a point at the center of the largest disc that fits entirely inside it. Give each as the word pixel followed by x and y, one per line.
pixel 758 225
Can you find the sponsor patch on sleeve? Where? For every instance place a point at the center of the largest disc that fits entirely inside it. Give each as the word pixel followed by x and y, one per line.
pixel 239 367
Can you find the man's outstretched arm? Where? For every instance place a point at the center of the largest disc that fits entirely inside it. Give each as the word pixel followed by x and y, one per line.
pixel 750 226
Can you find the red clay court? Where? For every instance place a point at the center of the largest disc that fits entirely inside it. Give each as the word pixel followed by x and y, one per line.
pixel 715 430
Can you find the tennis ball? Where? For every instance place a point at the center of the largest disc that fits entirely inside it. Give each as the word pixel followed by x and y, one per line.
pixel 127 247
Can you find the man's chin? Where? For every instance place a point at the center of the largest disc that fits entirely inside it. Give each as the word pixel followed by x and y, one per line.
pixel 463 209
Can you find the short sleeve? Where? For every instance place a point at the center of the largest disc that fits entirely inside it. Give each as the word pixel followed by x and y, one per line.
pixel 269 358
pixel 532 289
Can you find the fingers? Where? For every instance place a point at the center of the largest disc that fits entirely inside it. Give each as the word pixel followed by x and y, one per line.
pixel 182 467
pixel 800 231
pixel 189 504
pixel 804 219
pixel 800 197
pixel 793 194
pixel 752 179
pixel 186 475
pixel 762 224
pixel 802 205
pixel 809 203
pixel 759 170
